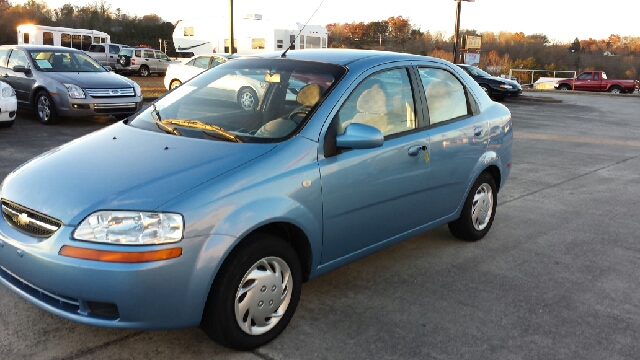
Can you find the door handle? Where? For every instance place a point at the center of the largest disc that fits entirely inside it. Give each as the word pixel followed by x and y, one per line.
pixel 477 131
pixel 416 150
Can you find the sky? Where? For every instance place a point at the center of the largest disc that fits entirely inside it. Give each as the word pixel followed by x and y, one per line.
pixel 560 20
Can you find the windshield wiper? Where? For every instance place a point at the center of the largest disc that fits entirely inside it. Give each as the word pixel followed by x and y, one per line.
pixel 195 124
pixel 155 114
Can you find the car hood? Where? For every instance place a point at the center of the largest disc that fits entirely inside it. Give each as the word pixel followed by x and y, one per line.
pixel 121 168
pixel 95 80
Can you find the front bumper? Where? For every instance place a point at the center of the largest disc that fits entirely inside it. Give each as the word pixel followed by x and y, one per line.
pixel 8 107
pixel 156 295
pixel 506 92
pixel 89 106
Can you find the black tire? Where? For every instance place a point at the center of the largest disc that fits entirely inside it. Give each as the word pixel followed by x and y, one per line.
pixel 6 124
pixel 124 60
pixel 478 211
pixel 247 99
pixel 45 108
pixel 174 84
pixel 615 89
pixel 564 87
pixel 144 71
pixel 223 319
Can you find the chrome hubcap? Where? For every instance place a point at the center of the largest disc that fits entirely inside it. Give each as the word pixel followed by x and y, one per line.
pixel 44 108
pixel 482 207
pixel 263 295
pixel 247 101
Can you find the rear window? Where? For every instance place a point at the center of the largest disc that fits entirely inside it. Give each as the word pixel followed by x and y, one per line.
pixel 126 52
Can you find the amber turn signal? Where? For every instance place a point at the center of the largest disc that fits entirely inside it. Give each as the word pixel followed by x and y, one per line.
pixel 120 256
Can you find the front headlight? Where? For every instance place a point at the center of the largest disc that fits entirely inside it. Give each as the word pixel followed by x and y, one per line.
pixel 137 89
pixel 8 92
pixel 506 86
pixel 75 91
pixel 131 228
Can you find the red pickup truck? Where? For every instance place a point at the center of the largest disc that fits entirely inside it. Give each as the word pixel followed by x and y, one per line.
pixel 597 81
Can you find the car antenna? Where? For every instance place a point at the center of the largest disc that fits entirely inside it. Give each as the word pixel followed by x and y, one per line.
pixel 284 54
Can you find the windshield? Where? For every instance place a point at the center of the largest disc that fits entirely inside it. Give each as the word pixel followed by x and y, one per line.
pixel 64 61
pixel 244 100
pixel 474 71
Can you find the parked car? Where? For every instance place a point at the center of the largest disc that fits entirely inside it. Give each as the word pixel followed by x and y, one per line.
pixel 223 213
pixel 106 53
pixel 245 86
pixel 58 81
pixel 8 105
pixel 143 61
pixel 179 73
pixel 496 87
pixel 597 81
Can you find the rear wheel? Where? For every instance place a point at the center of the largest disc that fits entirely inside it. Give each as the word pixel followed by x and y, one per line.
pixel 564 87
pixel 45 108
pixel 255 293
pixel 248 99
pixel 615 89
pixel 144 71
pixel 174 84
pixel 6 124
pixel 478 212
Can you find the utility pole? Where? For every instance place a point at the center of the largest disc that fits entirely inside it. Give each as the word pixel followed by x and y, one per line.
pixel 231 42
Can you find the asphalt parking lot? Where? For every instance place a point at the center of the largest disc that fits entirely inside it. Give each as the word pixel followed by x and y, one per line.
pixel 555 278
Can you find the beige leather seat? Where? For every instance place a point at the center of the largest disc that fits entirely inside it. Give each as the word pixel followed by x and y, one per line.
pixel 372 107
pixel 308 96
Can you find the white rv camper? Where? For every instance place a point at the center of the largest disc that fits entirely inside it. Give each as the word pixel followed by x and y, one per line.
pixel 251 35
pixel 80 39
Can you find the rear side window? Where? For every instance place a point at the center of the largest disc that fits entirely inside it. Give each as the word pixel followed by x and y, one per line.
pixel 446 97
pixel 96 48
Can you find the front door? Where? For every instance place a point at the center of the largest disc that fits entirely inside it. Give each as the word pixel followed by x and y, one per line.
pixel 21 82
pixel 373 195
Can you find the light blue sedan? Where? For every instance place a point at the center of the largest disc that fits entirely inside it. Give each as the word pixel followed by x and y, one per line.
pixel 198 212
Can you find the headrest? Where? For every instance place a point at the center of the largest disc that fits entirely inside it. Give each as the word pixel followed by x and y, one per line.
pixel 372 101
pixel 309 95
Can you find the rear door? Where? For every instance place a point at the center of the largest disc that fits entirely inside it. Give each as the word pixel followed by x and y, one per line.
pixel 150 60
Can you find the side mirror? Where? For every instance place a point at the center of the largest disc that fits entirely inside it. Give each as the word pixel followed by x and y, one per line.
pixel 22 69
pixel 360 136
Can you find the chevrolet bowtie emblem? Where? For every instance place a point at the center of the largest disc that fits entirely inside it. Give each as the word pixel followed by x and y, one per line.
pixel 22 220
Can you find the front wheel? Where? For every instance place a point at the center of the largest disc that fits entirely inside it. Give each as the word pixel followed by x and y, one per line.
pixel 478 211
pixel 255 293
pixel 6 124
pixel 45 108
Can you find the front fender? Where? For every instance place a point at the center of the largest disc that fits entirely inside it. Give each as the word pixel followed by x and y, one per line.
pixel 253 215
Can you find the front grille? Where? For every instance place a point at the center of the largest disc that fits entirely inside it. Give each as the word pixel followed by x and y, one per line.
pixel 98 93
pixel 28 221
pixel 115 108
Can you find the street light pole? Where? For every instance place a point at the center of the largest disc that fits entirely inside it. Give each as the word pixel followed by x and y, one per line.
pixel 231 42
pixel 456 30
pixel 456 41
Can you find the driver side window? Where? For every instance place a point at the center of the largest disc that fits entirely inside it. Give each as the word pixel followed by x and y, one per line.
pixel 383 100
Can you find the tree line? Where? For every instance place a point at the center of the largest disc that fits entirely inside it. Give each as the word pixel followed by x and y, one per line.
pixel 617 55
pixel 124 29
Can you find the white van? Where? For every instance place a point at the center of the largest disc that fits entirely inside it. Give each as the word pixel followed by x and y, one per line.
pixel 80 39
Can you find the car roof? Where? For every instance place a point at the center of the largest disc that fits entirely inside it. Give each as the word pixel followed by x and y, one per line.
pixel 344 56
